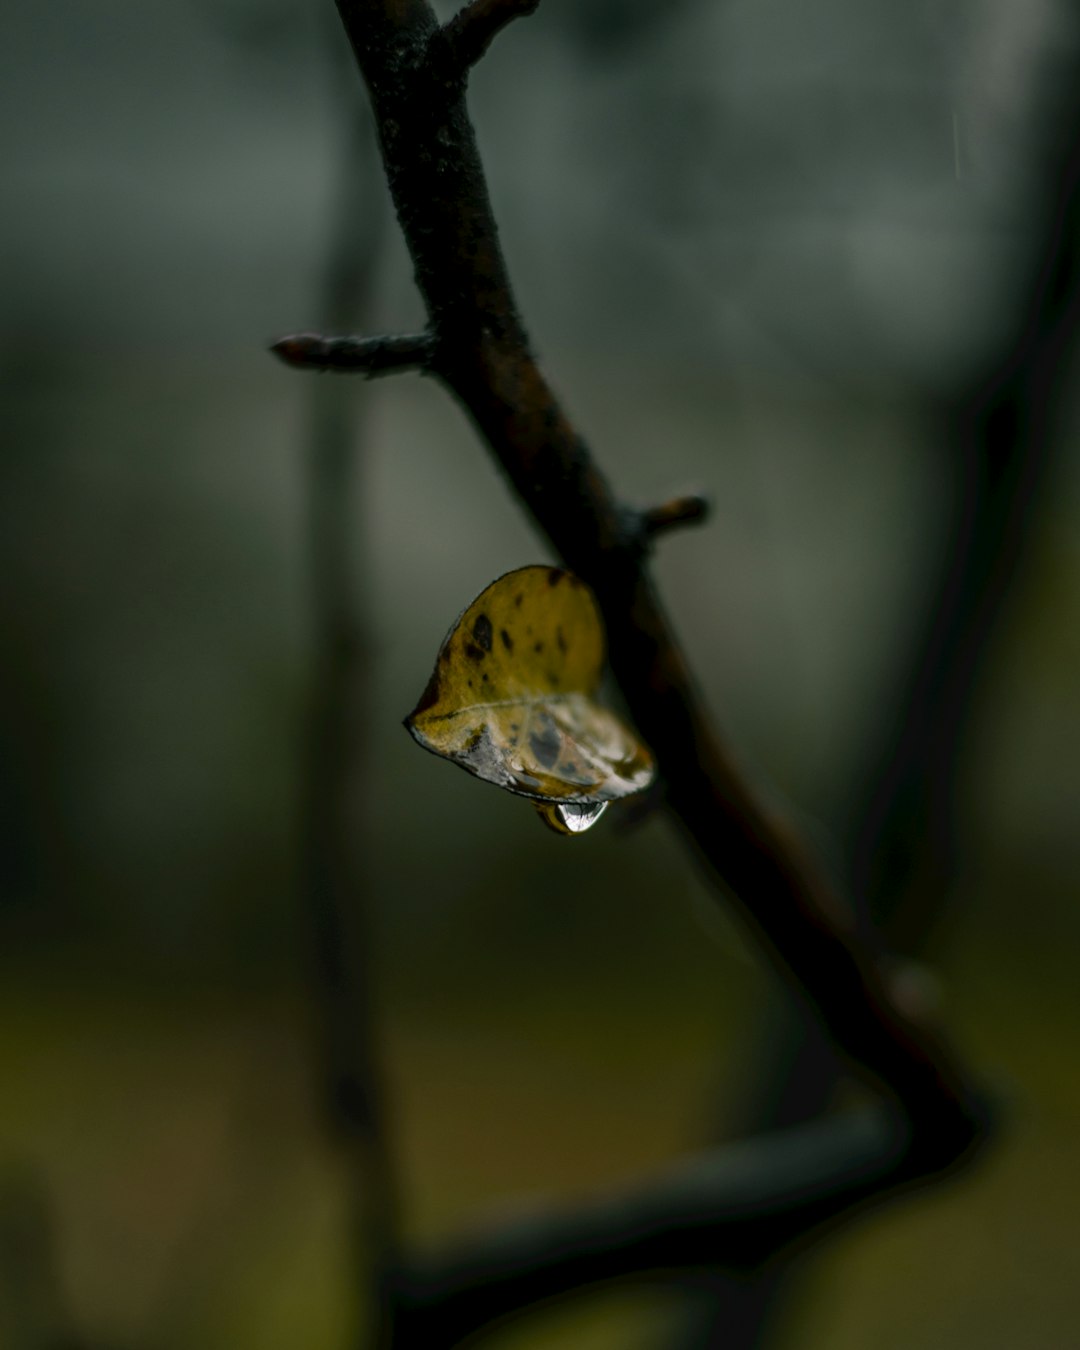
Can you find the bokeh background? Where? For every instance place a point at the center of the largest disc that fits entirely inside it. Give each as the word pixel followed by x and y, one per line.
pixel 756 244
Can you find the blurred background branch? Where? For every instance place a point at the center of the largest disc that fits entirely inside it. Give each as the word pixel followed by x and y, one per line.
pixel 738 1209
pixel 34 1311
pixel 336 896
pixel 998 436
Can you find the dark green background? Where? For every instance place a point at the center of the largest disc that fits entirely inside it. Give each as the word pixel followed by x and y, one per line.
pixel 754 244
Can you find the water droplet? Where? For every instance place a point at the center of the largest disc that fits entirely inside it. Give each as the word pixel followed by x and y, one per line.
pixel 571 817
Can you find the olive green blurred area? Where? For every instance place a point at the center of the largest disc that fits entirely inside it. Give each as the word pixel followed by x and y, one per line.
pixel 755 245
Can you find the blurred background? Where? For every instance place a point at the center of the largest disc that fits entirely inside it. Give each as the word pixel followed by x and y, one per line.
pixel 760 247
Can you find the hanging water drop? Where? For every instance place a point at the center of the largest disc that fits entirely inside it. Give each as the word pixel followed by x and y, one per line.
pixel 571 817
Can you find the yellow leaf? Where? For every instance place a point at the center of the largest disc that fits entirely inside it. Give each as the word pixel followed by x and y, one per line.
pixel 512 700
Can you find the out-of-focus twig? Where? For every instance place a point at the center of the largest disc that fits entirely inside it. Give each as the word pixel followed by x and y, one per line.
pixel 997 446
pixel 690 510
pixel 34 1314
pixel 335 899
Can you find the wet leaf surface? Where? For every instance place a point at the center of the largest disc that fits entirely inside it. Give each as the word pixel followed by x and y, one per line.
pixel 512 700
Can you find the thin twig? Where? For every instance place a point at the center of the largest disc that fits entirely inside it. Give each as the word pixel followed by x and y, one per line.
pixel 689 510
pixel 34 1310
pixel 1001 439
pixel 471 31
pixel 366 356
pixel 335 884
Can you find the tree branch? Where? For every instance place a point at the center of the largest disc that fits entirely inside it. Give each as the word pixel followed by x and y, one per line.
pixel 335 885
pixel 690 510
pixel 1002 439
pixel 34 1309
pixel 481 353
pixel 998 446
pixel 366 356
pixel 483 357
pixel 472 30
pixel 736 1207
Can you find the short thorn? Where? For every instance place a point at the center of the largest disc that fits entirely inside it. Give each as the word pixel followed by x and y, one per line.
pixel 679 511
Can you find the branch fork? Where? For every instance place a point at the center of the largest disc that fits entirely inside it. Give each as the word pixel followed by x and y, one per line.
pixel 467 36
pixel 484 359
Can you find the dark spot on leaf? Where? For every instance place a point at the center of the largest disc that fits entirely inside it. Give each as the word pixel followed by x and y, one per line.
pixel 515 726
pixel 517 601
pixel 473 652
pixel 507 640
pixel 545 743
pixel 561 640
pixel 482 631
pixel 553 678
pixel 538 646
pixel 513 740
pixel 555 576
